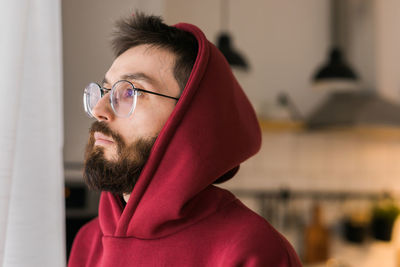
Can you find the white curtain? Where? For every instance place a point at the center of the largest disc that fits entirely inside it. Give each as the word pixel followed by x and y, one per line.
pixel 31 174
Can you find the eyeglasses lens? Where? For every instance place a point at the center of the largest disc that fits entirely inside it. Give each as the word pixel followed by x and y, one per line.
pixel 123 98
pixel 92 95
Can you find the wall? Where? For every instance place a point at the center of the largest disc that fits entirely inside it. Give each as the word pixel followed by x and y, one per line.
pixel 387 38
pixel 359 161
pixel 360 44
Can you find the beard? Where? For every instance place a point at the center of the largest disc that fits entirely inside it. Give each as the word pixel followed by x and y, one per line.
pixel 118 176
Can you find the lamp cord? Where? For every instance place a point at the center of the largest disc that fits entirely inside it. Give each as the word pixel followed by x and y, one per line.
pixel 224 11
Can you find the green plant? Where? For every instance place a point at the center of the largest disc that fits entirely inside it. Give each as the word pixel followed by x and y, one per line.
pixel 389 211
pixel 384 215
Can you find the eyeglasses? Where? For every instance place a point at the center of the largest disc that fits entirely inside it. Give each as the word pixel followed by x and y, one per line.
pixel 123 97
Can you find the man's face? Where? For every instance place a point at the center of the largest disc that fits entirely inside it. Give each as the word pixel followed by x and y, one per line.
pixel 118 143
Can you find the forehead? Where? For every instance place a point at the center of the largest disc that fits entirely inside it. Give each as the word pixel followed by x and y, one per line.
pixel 155 63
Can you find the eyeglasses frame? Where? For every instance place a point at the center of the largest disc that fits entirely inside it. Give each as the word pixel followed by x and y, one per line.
pixel 104 91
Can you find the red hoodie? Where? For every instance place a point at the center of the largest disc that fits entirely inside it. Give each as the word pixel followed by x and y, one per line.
pixel 175 216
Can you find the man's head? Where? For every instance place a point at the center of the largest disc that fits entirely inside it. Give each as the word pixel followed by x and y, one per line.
pixel 150 56
pixel 149 30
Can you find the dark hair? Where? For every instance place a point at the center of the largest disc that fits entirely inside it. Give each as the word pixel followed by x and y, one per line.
pixel 141 29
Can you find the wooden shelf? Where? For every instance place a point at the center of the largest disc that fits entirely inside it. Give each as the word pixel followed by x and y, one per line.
pixel 277 125
pixel 370 131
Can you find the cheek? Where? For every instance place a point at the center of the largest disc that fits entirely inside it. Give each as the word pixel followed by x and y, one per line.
pixel 147 121
pixel 162 113
pixel 156 117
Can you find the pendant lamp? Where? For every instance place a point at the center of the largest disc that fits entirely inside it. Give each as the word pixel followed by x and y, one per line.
pixel 336 68
pixel 224 41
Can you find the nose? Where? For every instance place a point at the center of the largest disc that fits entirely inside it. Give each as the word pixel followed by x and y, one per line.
pixel 103 110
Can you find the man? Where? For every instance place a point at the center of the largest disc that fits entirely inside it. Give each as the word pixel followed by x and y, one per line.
pixel 171 121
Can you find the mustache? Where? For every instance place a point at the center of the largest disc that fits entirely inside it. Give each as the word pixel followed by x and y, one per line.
pixel 102 127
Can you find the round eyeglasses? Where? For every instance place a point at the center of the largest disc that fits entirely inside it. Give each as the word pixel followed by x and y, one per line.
pixel 123 97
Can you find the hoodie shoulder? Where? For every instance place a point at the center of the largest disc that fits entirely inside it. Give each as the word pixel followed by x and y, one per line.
pixel 85 243
pixel 254 242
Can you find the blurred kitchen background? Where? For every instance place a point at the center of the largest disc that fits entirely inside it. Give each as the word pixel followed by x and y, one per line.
pixel 327 176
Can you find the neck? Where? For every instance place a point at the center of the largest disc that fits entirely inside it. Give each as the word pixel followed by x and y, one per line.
pixel 126 197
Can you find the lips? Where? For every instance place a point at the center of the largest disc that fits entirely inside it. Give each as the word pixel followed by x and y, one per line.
pixel 101 139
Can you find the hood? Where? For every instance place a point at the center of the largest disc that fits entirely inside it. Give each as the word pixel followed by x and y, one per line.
pixel 212 129
pixel 354 108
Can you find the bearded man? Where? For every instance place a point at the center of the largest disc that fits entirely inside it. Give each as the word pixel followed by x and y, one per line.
pixel 171 121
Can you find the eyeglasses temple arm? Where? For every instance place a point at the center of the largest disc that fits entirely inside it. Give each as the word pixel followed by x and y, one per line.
pixel 154 93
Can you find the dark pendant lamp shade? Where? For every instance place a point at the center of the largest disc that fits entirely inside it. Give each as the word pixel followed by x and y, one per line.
pixel 335 68
pixel 233 57
pixel 224 40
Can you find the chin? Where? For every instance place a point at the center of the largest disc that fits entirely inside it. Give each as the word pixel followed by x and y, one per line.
pixel 110 154
pixel 112 157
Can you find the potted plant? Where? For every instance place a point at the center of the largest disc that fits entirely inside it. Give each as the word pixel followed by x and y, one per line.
pixel 384 215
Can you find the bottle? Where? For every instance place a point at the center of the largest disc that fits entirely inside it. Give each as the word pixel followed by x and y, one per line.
pixel 316 238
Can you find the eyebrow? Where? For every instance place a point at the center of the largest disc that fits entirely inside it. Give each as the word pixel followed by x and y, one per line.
pixel 134 76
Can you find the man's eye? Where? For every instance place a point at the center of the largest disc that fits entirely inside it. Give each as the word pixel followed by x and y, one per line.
pixel 127 93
